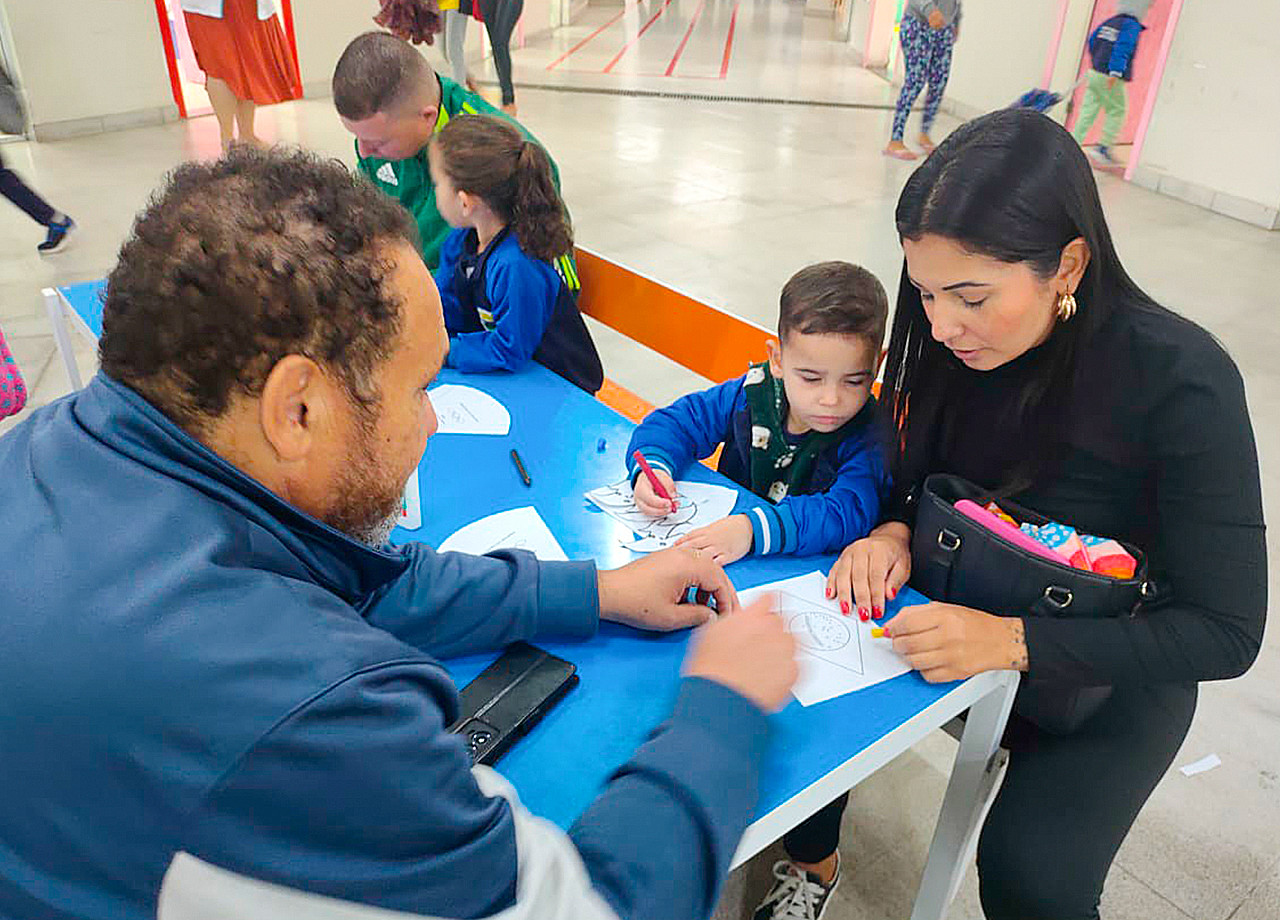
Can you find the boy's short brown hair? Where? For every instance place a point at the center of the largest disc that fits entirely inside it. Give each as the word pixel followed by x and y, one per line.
pixel 834 298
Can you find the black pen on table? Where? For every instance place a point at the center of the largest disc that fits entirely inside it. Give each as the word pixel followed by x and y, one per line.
pixel 524 474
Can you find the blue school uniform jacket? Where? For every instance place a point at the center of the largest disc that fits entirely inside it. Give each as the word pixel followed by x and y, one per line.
pixel 1113 44
pixel 841 502
pixel 190 663
pixel 503 307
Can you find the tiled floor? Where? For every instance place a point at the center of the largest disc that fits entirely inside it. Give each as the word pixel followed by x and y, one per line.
pixel 725 199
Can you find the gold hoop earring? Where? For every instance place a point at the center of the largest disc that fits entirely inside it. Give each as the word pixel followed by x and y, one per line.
pixel 1066 306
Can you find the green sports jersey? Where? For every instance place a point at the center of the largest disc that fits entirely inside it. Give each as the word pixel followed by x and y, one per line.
pixel 409 181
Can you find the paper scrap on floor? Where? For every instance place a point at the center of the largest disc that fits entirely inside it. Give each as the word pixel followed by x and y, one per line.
pixel 700 503
pixel 466 410
pixel 519 528
pixel 836 653
pixel 1203 765
pixel 410 505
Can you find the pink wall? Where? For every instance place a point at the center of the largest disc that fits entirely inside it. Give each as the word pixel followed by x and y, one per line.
pixel 1144 69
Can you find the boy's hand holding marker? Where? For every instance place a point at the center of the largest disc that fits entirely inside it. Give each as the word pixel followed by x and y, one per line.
pixel 655 490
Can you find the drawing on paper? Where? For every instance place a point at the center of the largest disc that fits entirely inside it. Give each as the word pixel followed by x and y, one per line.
pixel 820 631
pixel 458 415
pixel 466 410
pixel 700 504
pixel 519 528
pixel 836 654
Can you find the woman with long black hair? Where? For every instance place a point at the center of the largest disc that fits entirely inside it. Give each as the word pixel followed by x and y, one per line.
pixel 1025 359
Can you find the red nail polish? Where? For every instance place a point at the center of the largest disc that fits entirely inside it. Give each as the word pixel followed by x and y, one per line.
pixel 876 613
pixel 844 607
pixel 862 614
pixel 893 592
pixel 830 594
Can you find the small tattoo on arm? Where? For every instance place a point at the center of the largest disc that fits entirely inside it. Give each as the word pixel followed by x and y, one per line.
pixel 1018 639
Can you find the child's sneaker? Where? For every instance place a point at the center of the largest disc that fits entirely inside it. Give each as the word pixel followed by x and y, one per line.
pixel 796 895
pixel 57 235
pixel 1102 153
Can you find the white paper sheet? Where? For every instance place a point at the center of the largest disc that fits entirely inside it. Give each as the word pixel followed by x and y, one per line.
pixel 836 653
pixel 700 503
pixel 466 410
pixel 519 528
pixel 411 505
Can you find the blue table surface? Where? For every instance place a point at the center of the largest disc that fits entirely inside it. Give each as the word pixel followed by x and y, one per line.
pixel 628 678
pixel 86 299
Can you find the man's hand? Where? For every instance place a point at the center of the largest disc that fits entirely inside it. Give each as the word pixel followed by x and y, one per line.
pixel 648 501
pixel 650 592
pixel 936 20
pixel 949 642
pixel 751 653
pixel 726 541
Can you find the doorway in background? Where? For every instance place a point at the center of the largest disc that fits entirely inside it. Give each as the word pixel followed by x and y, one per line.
pixel 1146 67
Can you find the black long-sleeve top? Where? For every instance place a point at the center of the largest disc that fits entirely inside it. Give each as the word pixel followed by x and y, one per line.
pixel 1157 450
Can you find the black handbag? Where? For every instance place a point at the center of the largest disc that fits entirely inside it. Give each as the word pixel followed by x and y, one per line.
pixel 957 560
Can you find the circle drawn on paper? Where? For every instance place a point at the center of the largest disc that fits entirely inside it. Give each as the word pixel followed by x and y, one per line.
pixel 819 631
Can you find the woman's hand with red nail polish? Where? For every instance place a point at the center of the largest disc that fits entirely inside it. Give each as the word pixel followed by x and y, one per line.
pixel 869 569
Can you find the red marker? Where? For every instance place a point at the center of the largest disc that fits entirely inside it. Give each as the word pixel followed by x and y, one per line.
pixel 653 480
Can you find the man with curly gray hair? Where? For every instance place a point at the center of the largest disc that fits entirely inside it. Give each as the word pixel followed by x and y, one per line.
pixel 210 649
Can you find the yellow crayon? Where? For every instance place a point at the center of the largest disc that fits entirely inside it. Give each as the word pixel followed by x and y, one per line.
pixel 877 632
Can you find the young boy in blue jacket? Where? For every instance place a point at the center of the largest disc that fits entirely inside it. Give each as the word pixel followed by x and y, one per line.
pixel 1112 46
pixel 799 430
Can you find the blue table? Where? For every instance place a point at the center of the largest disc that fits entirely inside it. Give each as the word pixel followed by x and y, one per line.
pixel 628 678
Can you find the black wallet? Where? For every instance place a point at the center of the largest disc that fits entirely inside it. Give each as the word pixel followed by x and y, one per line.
pixel 510 697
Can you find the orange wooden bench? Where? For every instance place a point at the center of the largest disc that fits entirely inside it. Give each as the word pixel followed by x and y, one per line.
pixel 695 335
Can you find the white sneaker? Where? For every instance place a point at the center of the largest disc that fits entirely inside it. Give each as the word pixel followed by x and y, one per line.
pixel 796 895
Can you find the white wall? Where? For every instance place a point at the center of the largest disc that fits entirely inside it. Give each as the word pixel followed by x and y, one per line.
pixel 323 29
pixel 1002 50
pixel 1214 137
pixel 89 65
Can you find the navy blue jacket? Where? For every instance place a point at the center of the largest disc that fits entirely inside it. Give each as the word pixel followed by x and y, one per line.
pixel 840 504
pixel 190 663
pixel 1113 44
pixel 503 307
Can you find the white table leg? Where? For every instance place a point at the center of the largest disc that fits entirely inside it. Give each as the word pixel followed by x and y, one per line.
pixel 974 780
pixel 53 303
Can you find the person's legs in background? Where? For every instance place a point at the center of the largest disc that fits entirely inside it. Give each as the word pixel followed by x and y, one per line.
pixel 36 208
pixel 1115 104
pixel 1090 103
pixel 455 45
pixel 915 57
pixel 245 110
pixel 941 43
pixel 1108 95
pixel 500 17
pixel 225 106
